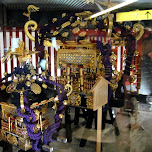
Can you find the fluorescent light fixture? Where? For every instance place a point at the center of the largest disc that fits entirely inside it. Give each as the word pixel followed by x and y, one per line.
pixel 113 8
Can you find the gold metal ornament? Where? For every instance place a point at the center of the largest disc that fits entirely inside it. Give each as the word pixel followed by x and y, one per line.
pixel 68 87
pixel 9 138
pixel 5 73
pixel 113 56
pixel 117 40
pixel 21 142
pixel 75 23
pixel 61 116
pixel 33 72
pixel 132 79
pixel 28 76
pixel 28 83
pixel 105 22
pixel 132 66
pixel 89 102
pixel 11 87
pixel 65 102
pixel 43 73
pixel 116 36
pixel 22 78
pixel 51 78
pixel 109 25
pixel 119 75
pixel 22 101
pixel 83 24
pixel 32 80
pixel 30 9
pixel 115 79
pixel 127 27
pixel 65 34
pixel 37 128
pixel 63 15
pixel 138 28
pixel 136 53
pixel 114 87
pixel 3 87
pixel 3 135
pixel 115 72
pixel 65 24
pixel 12 139
pixel 55 33
pixel 8 55
pixel 77 100
pixel 75 30
pixel 94 22
pixel 101 66
pixel 124 54
pixel 22 54
pixel 54 20
pixel 54 106
pixel 34 27
pixel 35 88
pixel 44 86
pixel 82 34
pixel 37 114
pixel 85 13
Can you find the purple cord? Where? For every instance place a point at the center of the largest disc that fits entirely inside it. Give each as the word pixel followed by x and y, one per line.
pixel 107 63
pixel 30 123
pixel 60 110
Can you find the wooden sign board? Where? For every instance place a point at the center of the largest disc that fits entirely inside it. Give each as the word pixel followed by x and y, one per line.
pixel 100 93
pixel 134 16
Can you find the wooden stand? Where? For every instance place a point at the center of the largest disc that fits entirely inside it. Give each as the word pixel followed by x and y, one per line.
pixel 100 98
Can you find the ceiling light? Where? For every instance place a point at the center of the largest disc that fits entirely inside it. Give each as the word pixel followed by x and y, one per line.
pixel 112 8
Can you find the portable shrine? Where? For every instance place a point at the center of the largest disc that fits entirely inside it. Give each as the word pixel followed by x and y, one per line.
pixel 79 65
pixel 24 105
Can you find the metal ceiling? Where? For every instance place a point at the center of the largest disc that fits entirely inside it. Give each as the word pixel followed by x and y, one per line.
pixel 59 5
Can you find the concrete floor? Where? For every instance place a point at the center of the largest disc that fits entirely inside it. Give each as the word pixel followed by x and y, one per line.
pixel 128 141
